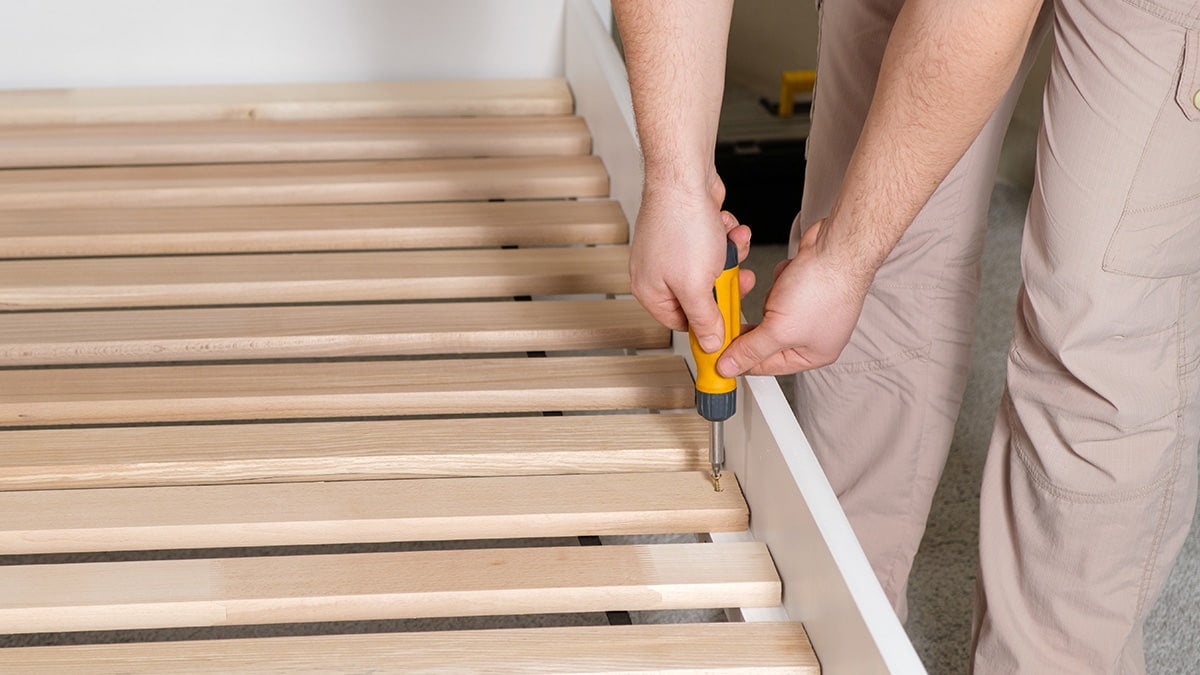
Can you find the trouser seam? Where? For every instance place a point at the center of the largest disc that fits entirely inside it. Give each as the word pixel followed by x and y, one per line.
pixel 1181 19
pixel 1160 530
pixel 883 363
pixel 895 555
pixel 1042 481
pixel 1164 205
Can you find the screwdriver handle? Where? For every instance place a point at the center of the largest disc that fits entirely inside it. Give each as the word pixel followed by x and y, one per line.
pixel 716 396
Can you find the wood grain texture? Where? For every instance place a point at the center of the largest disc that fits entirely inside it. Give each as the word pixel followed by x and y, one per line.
pixel 41 459
pixel 79 283
pixel 349 587
pixel 769 648
pixel 411 180
pixel 286 101
pixel 436 509
pixel 47 233
pixel 211 334
pixel 267 141
pixel 114 395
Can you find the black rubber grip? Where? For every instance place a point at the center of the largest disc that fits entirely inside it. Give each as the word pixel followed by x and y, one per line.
pixel 716 407
pixel 731 260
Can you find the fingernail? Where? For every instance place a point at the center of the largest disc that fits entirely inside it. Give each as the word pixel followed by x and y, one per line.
pixel 710 343
pixel 727 367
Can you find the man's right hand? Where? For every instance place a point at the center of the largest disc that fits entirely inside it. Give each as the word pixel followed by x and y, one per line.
pixel 677 254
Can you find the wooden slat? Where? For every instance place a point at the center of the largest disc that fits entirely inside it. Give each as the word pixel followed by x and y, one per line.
pixel 45 233
pixel 318 140
pixel 411 180
pixel 286 101
pixel 113 395
pixel 775 648
pixel 473 582
pixel 310 277
pixel 439 509
pixel 164 455
pixel 211 334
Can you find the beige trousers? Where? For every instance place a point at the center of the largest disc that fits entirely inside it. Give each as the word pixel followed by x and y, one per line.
pixel 1090 481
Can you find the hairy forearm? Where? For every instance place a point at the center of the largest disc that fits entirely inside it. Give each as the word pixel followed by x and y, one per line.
pixel 946 67
pixel 675 54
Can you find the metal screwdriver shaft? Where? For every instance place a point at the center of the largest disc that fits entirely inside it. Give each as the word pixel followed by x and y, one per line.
pixel 716 448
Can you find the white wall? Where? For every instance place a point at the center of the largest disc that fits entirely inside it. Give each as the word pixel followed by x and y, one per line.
pixel 77 43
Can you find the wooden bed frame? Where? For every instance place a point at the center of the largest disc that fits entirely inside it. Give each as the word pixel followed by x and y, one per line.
pixel 376 152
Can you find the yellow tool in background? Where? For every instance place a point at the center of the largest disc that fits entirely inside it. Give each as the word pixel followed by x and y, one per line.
pixel 794 82
pixel 716 396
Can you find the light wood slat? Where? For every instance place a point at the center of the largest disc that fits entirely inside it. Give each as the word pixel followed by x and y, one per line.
pixel 412 180
pixel 472 582
pixel 318 140
pixel 140 456
pixel 439 509
pixel 310 277
pixel 44 233
pixel 286 101
pixel 774 648
pixel 306 390
pixel 212 334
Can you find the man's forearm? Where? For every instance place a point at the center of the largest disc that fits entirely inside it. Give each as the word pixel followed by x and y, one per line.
pixel 675 53
pixel 947 65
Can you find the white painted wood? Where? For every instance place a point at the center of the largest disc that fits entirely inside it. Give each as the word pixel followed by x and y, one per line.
pixel 830 588
pixel 827 582
pixel 597 77
pixel 748 614
pixel 83 43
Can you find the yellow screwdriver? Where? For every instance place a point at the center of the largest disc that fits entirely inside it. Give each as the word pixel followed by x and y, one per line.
pixel 716 396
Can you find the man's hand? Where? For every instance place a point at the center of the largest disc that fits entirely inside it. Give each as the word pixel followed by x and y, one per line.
pixel 675 55
pixel 808 316
pixel 678 252
pixel 946 66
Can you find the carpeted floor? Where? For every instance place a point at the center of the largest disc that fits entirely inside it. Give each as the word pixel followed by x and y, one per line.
pixel 940 593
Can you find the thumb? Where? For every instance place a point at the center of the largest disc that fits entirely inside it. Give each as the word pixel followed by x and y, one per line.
pixel 746 352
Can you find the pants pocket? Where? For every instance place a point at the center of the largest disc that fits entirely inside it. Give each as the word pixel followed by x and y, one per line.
pixel 1158 234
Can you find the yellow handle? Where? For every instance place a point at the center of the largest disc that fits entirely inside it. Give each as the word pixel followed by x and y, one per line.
pixel 728 299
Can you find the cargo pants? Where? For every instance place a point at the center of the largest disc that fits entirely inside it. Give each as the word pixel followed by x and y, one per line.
pixel 1090 480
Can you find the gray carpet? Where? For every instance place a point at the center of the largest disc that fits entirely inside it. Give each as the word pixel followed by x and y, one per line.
pixel 940 594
